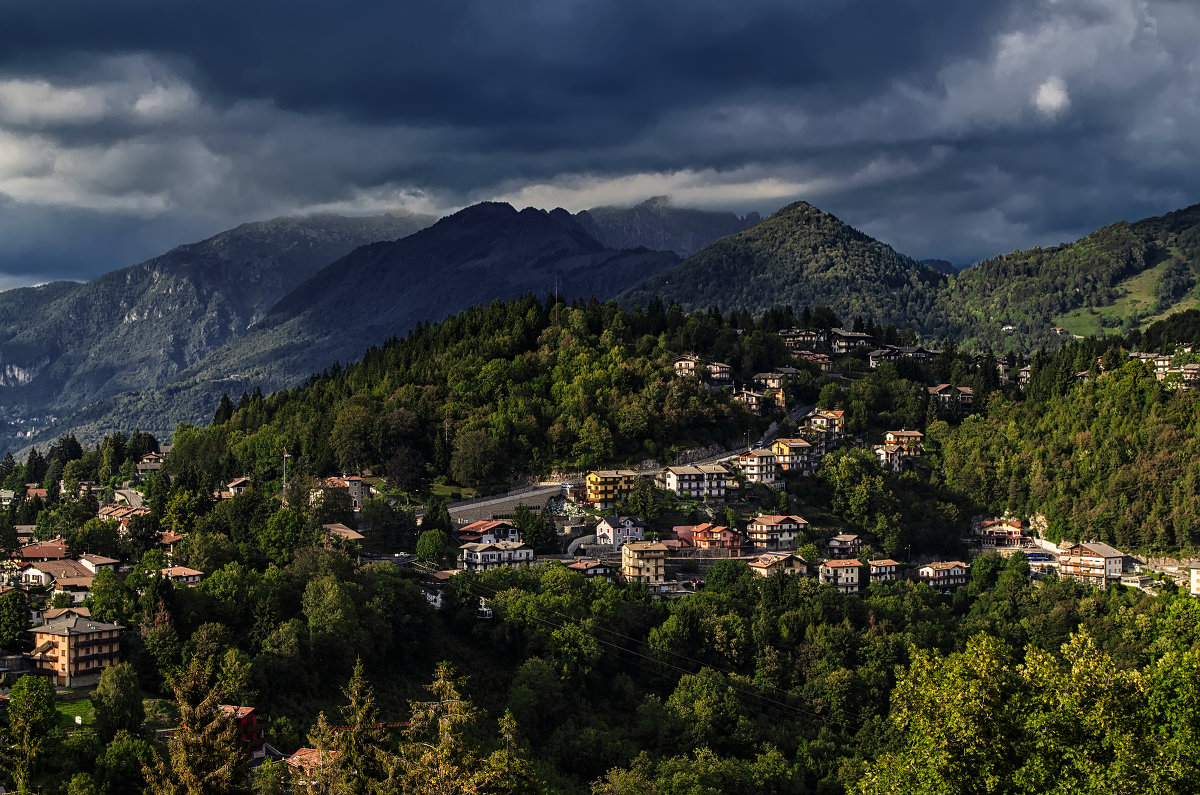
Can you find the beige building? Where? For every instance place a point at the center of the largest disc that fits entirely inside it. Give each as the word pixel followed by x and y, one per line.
pixel 768 563
pixel 645 562
pixel 772 532
pixel 845 575
pixel 945 576
pixel 72 650
pixel 758 466
pixel 1093 563
pixel 705 481
pixel 885 570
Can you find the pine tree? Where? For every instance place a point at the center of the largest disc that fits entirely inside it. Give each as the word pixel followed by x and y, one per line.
pixel 204 757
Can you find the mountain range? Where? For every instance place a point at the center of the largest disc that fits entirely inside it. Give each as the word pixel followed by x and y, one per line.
pixel 265 305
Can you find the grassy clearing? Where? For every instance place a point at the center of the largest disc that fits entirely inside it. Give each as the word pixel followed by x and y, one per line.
pixel 67 710
pixel 1137 297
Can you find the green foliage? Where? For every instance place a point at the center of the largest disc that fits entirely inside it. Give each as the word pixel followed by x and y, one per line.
pixel 31 734
pixel 118 701
pixel 14 620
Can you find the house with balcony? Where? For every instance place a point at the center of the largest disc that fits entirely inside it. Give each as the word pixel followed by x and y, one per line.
pixel 618 530
pixel 754 401
pixel 845 545
pixel 644 562
pixel 1002 533
pixel 911 443
pixel 758 466
pixel 607 487
pixel 795 339
pixel 711 537
pixel 891 456
pixel 700 482
pixel 956 398
pixel 886 570
pixel 794 455
pixel 487 532
pixel 945 576
pixel 72 650
pixel 688 366
pixel 770 563
pixel 843 341
pixel 773 532
pixel 848 576
pixel 483 557
pixel 182 575
pixel 1093 563
pixel 831 421
pixel 720 371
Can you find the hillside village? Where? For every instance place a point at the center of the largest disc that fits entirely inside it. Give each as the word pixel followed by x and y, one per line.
pixel 658 529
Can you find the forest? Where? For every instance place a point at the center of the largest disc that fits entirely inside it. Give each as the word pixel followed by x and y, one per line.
pixel 1011 684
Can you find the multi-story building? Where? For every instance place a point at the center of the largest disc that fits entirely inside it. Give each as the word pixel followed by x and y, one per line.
pixel 607 487
pixel 845 575
pixel 714 537
pixel 793 455
pixel 688 366
pixel 719 371
pixel 1093 563
pixel 945 575
pixel 758 466
pixel 910 442
pixel 768 563
pixel 884 570
pixel 358 489
pixel 1002 533
pixel 961 398
pixel 843 341
pixel 1194 582
pixel 828 421
pixel 618 530
pixel 644 562
pixel 772 532
pixel 482 557
pixel 701 482
pixel 72 650
pixel 182 575
pixel 752 400
pixel 846 545
pixel 891 456
pixel 770 380
pixel 251 728
pixel 487 532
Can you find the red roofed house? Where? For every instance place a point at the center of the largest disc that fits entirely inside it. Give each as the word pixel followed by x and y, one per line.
pixel 360 490
pixel 55 549
pixel 589 568
pixel 845 575
pixel 305 762
pixel 713 537
pixel 1002 533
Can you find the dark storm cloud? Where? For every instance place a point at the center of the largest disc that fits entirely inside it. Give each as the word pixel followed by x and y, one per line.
pixel 946 128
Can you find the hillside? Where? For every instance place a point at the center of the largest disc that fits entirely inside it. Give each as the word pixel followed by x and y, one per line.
pixel 803 257
pixel 659 225
pixel 483 253
pixel 64 345
pixel 1117 278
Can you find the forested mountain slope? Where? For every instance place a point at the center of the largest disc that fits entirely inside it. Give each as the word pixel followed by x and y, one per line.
pixel 801 256
pixel 1124 273
pixel 486 252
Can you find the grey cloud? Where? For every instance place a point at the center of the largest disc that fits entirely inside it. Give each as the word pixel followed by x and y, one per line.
pixel 948 129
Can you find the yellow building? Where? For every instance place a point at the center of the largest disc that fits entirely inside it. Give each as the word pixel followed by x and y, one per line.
pixel 607 487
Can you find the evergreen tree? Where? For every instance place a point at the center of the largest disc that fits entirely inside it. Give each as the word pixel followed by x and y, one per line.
pixel 204 756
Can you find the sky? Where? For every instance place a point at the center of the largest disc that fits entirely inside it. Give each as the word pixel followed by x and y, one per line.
pixel 948 129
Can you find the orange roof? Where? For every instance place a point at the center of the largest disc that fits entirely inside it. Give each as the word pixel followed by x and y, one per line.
pixel 842 564
pixel 235 712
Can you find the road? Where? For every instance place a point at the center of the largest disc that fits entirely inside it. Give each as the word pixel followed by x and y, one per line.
pixel 131 497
